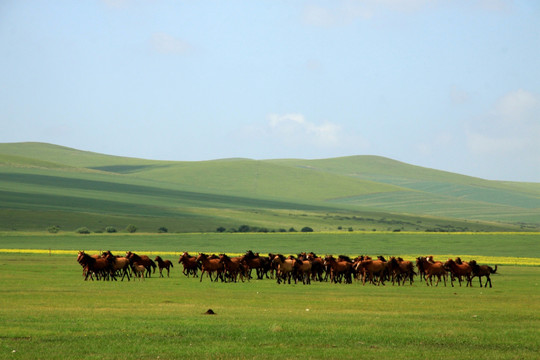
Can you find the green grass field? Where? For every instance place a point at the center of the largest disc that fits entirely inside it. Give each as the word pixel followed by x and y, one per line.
pixel 43 185
pixel 47 311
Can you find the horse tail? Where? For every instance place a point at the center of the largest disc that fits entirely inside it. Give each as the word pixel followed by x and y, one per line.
pixel 493 271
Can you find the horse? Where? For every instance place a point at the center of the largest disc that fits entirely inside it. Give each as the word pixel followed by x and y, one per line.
pixel 431 269
pixel 284 268
pixel 317 266
pixel 138 270
pixel 459 270
pixel 118 264
pixel 233 267
pixel 163 264
pixel 371 269
pixel 98 266
pixel 303 270
pixel 85 269
pixel 142 260
pixel 339 269
pixel 482 270
pixel 253 261
pixel 401 269
pixel 209 266
pixel 190 264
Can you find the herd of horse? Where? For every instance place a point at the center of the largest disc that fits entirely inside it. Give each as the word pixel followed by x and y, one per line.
pixel 304 267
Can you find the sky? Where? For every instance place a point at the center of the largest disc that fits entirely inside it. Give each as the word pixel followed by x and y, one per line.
pixel 446 84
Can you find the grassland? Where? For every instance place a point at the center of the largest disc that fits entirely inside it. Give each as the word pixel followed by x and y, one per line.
pixel 43 185
pixel 48 312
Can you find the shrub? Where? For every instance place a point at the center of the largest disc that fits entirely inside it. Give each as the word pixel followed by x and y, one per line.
pixel 82 230
pixel 110 229
pixel 244 228
pixel 53 229
pixel 306 229
pixel 131 228
pixel 162 230
pixel 292 230
pixel 221 229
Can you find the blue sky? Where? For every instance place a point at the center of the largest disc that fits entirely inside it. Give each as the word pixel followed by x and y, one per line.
pixel 452 85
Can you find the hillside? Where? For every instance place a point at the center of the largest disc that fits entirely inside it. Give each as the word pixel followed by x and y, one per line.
pixel 44 184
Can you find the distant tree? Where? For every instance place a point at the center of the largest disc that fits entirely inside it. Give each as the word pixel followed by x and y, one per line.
pixel 221 229
pixel 82 230
pixel 244 228
pixel 162 230
pixel 306 229
pixel 292 229
pixel 131 228
pixel 282 230
pixel 53 229
pixel 110 229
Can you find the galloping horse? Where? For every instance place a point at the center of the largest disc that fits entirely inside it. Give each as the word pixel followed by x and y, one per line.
pixel 482 270
pixel 233 267
pixel 163 264
pixel 254 261
pixel 99 266
pixel 459 270
pixel 118 264
pixel 401 269
pixel 431 269
pixel 371 269
pixel 284 268
pixel 143 260
pixel 303 270
pixel 190 264
pixel 209 266
pixel 339 269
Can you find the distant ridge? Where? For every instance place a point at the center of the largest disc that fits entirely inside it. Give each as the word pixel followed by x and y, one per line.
pixel 39 182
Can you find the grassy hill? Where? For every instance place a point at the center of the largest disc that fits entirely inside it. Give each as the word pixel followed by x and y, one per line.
pixel 44 184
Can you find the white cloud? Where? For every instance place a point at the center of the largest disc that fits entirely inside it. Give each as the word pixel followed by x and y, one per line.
pixel 511 127
pixel 168 44
pixel 294 127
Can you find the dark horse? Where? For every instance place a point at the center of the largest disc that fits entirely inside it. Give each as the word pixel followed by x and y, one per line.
pixel 97 266
pixel 163 264
pixel 482 270
pixel 142 260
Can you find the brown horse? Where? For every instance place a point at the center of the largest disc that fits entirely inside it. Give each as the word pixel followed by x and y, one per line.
pixel 119 264
pixel 401 270
pixel 459 270
pixel 339 269
pixel 372 269
pixel 98 266
pixel 432 269
pixel 254 261
pixel 210 266
pixel 163 264
pixel 143 260
pixel 233 267
pixel 482 270
pixel 190 264
pixel 317 266
pixel 138 270
pixel 303 270
pixel 284 268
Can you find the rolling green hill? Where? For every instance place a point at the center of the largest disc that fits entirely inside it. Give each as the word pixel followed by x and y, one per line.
pixel 44 184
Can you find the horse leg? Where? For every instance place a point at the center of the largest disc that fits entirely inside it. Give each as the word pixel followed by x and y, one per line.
pixel 488 279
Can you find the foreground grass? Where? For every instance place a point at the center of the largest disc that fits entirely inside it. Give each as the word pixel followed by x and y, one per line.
pixel 48 312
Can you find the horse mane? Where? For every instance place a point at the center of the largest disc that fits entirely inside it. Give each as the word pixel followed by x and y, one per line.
pixel 458 261
pixel 380 257
pixel 344 258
